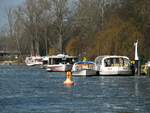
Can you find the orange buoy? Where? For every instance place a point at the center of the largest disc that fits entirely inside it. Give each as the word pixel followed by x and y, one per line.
pixel 68 81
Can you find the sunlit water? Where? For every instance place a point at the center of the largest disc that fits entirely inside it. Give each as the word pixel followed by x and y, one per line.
pixel 33 90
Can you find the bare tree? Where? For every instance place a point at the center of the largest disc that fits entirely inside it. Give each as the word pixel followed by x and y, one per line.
pixel 60 8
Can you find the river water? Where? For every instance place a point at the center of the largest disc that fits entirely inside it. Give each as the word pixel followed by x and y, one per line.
pixel 33 90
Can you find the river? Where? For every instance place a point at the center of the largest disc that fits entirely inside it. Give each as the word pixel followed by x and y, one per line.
pixel 33 90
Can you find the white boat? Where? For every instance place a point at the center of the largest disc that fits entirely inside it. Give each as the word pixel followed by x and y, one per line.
pixel 33 60
pixel 113 65
pixel 86 68
pixel 60 63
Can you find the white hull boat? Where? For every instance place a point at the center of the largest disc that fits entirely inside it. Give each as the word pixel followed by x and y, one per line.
pixel 84 69
pixel 33 60
pixel 60 63
pixel 113 65
pixel 58 68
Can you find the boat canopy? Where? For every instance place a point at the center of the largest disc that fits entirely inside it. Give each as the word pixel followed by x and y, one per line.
pixel 86 62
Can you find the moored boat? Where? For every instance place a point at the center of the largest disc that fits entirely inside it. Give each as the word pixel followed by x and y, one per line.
pixel 33 60
pixel 60 63
pixel 113 65
pixel 86 68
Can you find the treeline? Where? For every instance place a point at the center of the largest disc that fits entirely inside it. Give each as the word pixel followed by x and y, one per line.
pixel 79 27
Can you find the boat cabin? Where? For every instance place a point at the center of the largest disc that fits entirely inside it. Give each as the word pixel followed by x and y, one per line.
pixel 113 65
pixel 62 59
pixel 60 63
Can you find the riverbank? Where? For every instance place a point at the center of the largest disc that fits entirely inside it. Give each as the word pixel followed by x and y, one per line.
pixel 15 62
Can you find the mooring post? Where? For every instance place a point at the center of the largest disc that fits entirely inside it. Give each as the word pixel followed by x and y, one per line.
pixel 139 68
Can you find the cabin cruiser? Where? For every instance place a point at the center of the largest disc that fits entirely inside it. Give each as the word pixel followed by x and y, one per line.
pixel 33 60
pixel 83 68
pixel 113 65
pixel 60 63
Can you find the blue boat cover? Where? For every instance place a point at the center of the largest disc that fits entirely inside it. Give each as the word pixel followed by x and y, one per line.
pixel 86 62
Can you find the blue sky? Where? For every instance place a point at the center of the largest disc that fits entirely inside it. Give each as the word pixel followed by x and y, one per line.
pixel 4 5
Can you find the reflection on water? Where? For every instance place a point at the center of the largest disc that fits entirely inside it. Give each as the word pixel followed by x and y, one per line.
pixel 33 90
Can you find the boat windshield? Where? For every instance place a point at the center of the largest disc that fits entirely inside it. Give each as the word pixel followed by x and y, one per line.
pixel 116 62
pixel 99 60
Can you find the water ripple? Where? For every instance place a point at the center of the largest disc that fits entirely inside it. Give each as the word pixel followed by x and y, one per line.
pixel 33 90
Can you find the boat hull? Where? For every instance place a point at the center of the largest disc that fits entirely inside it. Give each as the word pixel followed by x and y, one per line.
pixel 84 72
pixel 116 72
pixel 58 68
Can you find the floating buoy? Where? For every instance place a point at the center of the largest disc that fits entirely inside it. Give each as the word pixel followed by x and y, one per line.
pixel 68 81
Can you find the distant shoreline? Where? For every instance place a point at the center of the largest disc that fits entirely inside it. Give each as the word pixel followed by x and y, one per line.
pixel 11 63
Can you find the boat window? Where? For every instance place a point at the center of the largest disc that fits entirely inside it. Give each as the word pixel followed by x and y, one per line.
pixel 126 62
pixel 45 62
pixel 64 58
pixel 71 60
pixel 58 61
pixel 108 62
pixel 55 60
pixel 121 61
pixel 115 62
pixel 50 61
pixel 99 61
